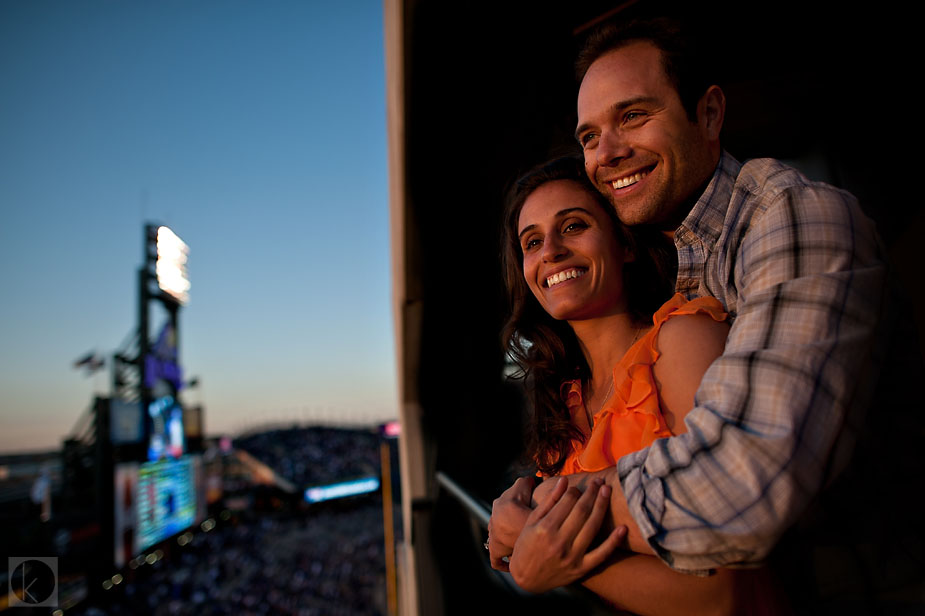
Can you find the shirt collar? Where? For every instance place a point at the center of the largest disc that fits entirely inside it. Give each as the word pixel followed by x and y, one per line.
pixel 705 220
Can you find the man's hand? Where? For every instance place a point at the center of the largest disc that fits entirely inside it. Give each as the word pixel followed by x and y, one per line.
pixel 509 513
pixel 552 549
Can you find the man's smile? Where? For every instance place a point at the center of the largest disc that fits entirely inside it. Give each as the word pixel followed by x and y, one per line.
pixel 629 180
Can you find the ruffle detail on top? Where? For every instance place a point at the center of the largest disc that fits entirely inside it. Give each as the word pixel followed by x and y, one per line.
pixel 631 418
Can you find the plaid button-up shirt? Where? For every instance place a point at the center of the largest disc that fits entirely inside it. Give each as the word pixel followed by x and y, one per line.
pixel 799 268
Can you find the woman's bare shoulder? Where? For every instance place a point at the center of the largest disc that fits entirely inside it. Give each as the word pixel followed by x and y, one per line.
pixel 692 333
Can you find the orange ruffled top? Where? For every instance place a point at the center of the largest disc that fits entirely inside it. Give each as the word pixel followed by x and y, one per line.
pixel 631 418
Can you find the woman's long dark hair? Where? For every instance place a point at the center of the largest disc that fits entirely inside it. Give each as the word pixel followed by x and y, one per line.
pixel 545 349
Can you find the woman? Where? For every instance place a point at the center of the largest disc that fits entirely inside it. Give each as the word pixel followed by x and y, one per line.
pixel 609 369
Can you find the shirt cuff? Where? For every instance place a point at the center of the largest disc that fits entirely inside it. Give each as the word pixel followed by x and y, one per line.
pixel 645 498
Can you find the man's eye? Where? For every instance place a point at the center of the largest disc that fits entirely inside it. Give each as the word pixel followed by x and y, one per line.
pixel 633 116
pixel 586 139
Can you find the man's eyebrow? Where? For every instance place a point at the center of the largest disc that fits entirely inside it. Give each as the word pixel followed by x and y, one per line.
pixel 617 108
pixel 559 214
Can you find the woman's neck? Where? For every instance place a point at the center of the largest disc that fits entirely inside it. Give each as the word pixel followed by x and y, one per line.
pixel 604 341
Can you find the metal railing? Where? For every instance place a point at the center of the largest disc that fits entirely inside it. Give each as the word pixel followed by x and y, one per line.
pixel 475 507
pixel 481 513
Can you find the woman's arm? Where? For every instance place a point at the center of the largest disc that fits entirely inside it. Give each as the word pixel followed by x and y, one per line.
pixel 552 551
pixel 687 345
pixel 644 585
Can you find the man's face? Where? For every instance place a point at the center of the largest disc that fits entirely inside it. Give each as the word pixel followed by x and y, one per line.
pixel 641 150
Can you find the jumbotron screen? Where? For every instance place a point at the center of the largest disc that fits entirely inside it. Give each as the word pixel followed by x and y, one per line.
pixel 166 500
pixel 153 501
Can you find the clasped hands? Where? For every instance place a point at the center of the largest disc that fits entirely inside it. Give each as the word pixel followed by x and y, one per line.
pixel 548 546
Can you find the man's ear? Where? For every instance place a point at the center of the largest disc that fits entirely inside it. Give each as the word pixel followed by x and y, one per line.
pixel 711 109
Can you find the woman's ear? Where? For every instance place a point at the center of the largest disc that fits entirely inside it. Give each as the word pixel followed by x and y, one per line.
pixel 626 241
pixel 629 254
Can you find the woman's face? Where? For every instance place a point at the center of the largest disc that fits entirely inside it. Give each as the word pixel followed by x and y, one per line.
pixel 572 262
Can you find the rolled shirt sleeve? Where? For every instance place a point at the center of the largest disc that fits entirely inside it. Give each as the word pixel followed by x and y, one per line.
pixel 800 269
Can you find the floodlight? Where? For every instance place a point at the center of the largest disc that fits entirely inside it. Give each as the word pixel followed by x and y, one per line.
pixel 171 265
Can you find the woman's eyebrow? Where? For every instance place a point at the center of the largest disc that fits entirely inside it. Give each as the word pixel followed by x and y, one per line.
pixel 524 230
pixel 559 214
pixel 569 210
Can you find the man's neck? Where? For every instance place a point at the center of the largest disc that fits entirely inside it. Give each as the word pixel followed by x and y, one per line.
pixel 669 226
pixel 685 207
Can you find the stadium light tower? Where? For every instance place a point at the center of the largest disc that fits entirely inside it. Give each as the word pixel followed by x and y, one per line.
pixel 162 277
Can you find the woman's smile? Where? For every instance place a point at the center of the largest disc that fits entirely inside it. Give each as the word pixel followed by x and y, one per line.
pixel 560 277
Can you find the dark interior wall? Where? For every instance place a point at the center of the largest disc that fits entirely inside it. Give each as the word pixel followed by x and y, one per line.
pixel 486 96
pixel 490 92
pixel 486 87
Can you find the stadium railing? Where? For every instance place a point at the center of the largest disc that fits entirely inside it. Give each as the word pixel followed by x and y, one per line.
pixel 480 514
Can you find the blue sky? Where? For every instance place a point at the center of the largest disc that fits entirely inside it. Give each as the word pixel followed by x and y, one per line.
pixel 256 131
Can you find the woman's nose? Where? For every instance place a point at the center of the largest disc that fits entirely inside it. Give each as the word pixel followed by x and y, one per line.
pixel 553 248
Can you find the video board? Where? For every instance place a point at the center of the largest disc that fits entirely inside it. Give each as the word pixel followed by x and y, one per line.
pixel 154 501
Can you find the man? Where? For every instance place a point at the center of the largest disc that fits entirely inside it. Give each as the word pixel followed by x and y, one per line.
pixel 797 266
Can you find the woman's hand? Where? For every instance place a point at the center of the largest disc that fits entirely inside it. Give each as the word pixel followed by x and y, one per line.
pixel 552 549
pixel 543 491
pixel 509 513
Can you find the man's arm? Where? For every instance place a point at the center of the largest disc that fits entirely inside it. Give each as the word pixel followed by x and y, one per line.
pixel 809 282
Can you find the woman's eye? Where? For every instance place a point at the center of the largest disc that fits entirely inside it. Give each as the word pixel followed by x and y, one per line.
pixel 531 243
pixel 575 225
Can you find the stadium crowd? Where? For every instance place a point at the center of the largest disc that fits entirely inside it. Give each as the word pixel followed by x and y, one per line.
pixel 315 455
pixel 326 559
pixel 328 562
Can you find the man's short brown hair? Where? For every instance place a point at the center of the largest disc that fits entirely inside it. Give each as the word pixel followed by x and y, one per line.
pixel 681 54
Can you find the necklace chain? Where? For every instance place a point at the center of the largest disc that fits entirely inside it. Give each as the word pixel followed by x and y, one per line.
pixel 610 388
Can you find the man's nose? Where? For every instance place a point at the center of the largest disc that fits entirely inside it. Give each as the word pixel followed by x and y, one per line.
pixel 611 149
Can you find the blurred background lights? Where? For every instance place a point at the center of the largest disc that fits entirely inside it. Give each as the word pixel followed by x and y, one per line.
pixel 392 429
pixel 172 254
